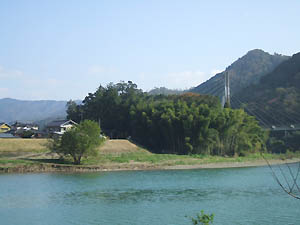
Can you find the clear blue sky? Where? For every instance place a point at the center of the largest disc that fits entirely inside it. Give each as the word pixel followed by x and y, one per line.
pixel 63 49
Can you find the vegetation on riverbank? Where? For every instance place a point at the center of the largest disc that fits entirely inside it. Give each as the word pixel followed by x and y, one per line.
pixel 22 145
pixel 178 124
pixel 78 142
pixel 117 155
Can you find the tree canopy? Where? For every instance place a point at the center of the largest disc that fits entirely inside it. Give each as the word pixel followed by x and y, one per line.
pixel 184 124
pixel 80 141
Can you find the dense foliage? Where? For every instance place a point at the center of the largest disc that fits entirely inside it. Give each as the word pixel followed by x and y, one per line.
pixel 182 124
pixel 80 141
pixel 283 142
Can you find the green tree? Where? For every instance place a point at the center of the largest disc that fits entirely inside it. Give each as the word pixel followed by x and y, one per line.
pixel 80 141
pixel 74 111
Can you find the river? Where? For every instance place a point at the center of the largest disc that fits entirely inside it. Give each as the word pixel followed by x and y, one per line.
pixel 235 196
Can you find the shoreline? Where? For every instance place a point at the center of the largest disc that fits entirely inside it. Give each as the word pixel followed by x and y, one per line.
pixel 68 168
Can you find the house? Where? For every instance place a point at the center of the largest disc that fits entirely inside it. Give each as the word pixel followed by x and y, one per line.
pixel 4 127
pixel 24 129
pixel 17 126
pixel 60 126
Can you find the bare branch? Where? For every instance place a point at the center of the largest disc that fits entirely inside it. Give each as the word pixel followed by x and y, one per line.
pixel 290 191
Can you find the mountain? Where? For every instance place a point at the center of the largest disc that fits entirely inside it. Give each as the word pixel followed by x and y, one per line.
pixel 28 111
pixel 243 72
pixel 164 91
pixel 275 99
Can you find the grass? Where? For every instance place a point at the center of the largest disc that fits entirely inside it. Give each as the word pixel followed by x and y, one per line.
pixel 15 152
pixel 15 161
pixel 170 159
pixel 6 163
pixel 23 145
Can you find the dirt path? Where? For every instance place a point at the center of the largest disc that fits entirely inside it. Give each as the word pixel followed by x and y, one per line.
pixel 235 164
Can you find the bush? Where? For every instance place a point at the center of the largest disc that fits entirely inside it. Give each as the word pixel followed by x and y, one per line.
pixel 203 219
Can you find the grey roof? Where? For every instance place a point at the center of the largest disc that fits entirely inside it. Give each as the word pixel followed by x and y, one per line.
pixel 6 135
pixel 58 123
pixel 19 124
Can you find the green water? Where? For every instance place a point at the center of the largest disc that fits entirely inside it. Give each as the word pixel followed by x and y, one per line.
pixel 235 196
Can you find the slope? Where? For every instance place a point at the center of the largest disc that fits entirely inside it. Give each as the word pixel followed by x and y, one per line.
pixel 243 72
pixel 19 110
pixel 275 99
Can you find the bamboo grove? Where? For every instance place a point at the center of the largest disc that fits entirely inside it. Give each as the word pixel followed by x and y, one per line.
pixel 180 124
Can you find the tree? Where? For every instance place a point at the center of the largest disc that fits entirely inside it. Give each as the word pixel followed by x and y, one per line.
pixel 74 111
pixel 80 141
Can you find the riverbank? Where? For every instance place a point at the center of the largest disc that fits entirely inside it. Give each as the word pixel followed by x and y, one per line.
pixel 52 167
pixel 33 156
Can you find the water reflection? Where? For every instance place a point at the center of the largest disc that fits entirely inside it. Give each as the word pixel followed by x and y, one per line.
pixel 236 196
pixel 129 196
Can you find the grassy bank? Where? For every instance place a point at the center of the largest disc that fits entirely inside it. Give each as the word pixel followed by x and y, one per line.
pixel 114 155
pixel 18 147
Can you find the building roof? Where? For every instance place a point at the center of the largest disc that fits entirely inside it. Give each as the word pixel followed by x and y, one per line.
pixel 19 124
pixel 2 123
pixel 7 135
pixel 59 123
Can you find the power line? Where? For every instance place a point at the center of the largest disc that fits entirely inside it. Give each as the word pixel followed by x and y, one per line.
pixel 207 86
pixel 212 90
pixel 270 114
pixel 260 119
pixel 274 117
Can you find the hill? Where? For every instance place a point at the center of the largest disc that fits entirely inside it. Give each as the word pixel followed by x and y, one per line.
pixel 164 91
pixel 243 72
pixel 120 146
pixel 275 99
pixel 29 111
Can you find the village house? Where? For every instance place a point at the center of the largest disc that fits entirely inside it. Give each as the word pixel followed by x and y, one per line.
pixel 25 130
pixel 4 127
pixel 17 126
pixel 59 127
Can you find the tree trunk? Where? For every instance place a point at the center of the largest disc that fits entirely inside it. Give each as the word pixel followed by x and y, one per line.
pixel 77 160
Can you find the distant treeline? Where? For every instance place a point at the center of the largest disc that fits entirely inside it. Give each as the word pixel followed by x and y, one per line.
pixel 284 141
pixel 181 124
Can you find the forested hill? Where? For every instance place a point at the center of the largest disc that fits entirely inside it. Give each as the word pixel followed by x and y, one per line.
pixel 243 72
pixel 276 98
pixel 164 91
pixel 25 111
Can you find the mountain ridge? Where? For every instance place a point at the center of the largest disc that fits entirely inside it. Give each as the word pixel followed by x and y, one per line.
pixel 243 72
pixel 275 99
pixel 31 110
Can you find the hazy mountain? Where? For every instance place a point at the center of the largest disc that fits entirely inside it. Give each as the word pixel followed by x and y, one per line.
pixel 243 72
pixel 164 91
pixel 19 110
pixel 275 99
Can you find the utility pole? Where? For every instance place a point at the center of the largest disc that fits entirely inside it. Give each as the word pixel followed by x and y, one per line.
pixel 227 91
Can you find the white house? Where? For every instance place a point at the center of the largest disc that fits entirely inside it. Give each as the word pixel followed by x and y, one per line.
pixel 60 126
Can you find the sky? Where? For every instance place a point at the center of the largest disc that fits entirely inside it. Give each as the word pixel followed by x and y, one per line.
pixel 64 49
